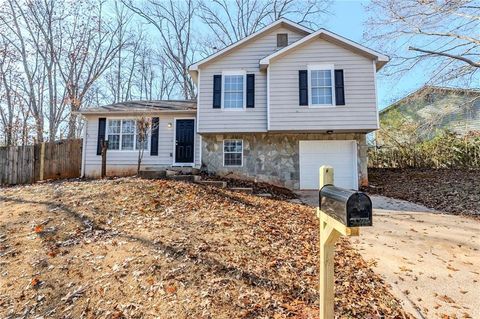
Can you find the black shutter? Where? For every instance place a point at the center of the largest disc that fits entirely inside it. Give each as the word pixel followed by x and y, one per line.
pixel 154 137
pixel 250 90
pixel 339 88
pixel 217 91
pixel 303 87
pixel 102 123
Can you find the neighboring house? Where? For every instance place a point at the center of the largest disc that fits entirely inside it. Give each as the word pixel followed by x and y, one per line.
pixel 433 108
pixel 273 107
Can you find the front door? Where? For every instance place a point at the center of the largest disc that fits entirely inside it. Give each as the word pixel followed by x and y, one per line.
pixel 184 143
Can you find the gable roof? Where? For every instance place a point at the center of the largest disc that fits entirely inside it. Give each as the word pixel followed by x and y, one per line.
pixel 139 107
pixel 429 89
pixel 280 22
pixel 380 59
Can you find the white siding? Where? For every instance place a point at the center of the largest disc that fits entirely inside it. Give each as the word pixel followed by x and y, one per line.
pixel 246 58
pixel 360 111
pixel 125 162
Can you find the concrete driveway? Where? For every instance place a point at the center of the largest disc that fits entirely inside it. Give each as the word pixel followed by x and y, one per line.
pixel 431 260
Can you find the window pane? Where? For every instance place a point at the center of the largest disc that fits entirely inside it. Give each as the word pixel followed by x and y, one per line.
pixel 233 151
pixel 113 127
pixel 127 142
pixel 233 159
pixel 321 87
pixel 143 143
pixel 113 142
pixel 128 126
pixel 233 91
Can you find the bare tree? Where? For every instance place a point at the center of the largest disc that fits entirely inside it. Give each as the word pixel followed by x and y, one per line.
pixel 173 21
pixel 231 21
pixel 144 125
pixel 87 54
pixel 439 36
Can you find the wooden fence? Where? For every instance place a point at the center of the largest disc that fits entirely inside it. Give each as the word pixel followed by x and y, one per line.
pixel 28 164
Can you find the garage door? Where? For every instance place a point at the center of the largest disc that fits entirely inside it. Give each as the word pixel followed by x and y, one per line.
pixel 341 155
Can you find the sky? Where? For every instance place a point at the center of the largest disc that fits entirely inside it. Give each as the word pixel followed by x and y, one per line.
pixel 347 20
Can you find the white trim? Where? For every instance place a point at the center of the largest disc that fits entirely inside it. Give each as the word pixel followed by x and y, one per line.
pixel 321 67
pixel 234 72
pixel 174 163
pixel 268 98
pixel 355 163
pixel 194 67
pixel 378 56
pixel 198 104
pixel 121 119
pixel 200 149
pixel 223 152
pixel 84 146
pixel 376 94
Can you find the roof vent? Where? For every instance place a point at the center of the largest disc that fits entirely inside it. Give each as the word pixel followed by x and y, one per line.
pixel 282 40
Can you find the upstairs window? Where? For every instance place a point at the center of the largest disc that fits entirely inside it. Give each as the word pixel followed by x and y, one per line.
pixel 282 40
pixel 122 135
pixel 234 90
pixel 321 86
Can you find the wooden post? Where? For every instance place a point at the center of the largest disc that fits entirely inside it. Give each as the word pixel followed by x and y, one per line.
pixel 42 161
pixel 330 231
pixel 104 158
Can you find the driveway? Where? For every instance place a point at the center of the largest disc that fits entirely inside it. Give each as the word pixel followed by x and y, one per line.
pixel 430 259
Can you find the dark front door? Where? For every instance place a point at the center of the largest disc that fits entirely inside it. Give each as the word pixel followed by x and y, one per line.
pixel 184 146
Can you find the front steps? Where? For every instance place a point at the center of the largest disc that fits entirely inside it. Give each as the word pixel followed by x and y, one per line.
pixel 189 174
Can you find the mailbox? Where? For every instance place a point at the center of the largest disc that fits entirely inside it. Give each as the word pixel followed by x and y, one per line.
pixel 351 208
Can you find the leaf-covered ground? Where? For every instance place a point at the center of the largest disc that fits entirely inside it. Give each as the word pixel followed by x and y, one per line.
pixel 131 248
pixel 449 190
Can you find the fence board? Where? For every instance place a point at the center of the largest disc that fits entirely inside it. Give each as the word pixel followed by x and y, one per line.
pixel 21 164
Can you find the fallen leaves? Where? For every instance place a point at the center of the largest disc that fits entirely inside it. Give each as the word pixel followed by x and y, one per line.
pixel 131 248
pixel 449 190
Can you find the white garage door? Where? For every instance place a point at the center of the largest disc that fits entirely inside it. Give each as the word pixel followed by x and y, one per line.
pixel 341 155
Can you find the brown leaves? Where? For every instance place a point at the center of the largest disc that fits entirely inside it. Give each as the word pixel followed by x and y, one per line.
pixel 157 248
pixel 171 289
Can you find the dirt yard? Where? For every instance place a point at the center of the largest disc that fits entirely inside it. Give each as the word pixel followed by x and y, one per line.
pixel 131 248
pixel 446 190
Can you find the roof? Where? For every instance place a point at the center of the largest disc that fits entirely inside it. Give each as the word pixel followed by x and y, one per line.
pixel 139 107
pixel 429 89
pixel 380 59
pixel 280 22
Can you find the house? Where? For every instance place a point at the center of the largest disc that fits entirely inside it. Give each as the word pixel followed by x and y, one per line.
pixel 272 107
pixel 433 108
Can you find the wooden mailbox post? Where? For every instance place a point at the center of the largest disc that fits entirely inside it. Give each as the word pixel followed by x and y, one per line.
pixel 357 211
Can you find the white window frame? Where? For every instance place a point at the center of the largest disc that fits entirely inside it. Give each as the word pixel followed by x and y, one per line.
pixel 321 67
pixel 235 72
pixel 135 149
pixel 223 152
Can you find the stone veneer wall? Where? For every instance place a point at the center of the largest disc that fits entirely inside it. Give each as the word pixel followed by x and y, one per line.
pixel 273 157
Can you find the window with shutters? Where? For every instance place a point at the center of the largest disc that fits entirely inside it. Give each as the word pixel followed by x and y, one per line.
pixel 234 92
pixel 232 152
pixel 282 40
pixel 321 88
pixel 122 135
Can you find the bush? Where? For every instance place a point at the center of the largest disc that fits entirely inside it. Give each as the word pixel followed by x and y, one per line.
pixel 445 150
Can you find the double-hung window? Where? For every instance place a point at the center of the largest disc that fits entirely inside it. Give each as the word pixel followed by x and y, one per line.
pixel 234 90
pixel 123 135
pixel 232 152
pixel 321 85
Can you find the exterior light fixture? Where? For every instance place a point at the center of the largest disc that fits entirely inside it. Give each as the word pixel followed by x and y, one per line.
pixel 169 125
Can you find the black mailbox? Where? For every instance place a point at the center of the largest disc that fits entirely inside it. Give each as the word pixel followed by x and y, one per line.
pixel 351 208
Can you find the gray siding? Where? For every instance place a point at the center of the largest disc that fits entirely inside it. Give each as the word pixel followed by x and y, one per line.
pixel 125 162
pixel 360 111
pixel 246 58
